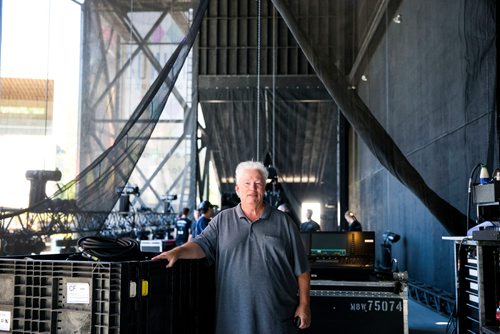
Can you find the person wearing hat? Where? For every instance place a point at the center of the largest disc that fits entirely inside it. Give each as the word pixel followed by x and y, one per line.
pixel 262 270
pixel 206 210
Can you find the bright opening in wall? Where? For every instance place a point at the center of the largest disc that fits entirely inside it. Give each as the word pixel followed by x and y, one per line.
pixel 316 211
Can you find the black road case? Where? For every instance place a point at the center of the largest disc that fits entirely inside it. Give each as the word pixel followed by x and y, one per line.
pixel 353 307
pixel 53 294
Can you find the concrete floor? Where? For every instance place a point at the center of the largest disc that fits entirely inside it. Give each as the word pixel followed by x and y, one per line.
pixel 423 320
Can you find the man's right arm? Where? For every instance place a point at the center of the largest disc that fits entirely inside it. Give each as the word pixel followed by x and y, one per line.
pixel 189 250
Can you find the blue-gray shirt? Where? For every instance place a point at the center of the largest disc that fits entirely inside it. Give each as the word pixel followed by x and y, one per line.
pixel 257 265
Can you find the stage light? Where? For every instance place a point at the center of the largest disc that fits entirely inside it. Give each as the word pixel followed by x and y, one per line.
pixel 129 189
pixel 171 197
pixel 167 206
pixel 387 264
pixel 390 238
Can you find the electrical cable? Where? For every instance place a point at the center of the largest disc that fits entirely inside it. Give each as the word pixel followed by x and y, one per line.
pixel 109 249
pixel 455 314
pixel 451 327
pixel 258 81
pixel 129 60
pixel 469 191
pixel 274 88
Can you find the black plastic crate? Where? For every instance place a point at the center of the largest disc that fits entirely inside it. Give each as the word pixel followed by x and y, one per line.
pixel 50 294
pixel 181 299
pixel 53 294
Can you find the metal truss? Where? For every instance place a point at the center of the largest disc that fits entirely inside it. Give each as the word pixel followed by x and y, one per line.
pixel 436 299
pixel 27 232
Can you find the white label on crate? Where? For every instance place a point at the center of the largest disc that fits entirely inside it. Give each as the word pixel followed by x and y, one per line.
pixel 473 272
pixel 153 246
pixel 133 289
pixel 4 321
pixel 473 298
pixel 474 286
pixel 78 293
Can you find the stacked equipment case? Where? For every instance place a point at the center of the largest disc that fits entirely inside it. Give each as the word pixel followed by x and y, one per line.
pixel 353 307
pixel 53 294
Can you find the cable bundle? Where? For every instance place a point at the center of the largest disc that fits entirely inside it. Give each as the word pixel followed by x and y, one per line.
pixel 109 249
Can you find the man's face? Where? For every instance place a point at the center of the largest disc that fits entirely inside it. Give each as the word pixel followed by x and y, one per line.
pixel 251 187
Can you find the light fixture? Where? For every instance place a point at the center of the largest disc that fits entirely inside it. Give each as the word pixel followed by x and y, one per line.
pixel 129 189
pixel 364 78
pixel 397 18
pixel 484 176
pixel 387 263
pixel 390 238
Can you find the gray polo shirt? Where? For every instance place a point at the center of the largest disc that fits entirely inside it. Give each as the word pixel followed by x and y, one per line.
pixel 257 265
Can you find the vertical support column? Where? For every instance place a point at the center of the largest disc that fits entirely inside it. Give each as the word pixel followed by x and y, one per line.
pixel 342 171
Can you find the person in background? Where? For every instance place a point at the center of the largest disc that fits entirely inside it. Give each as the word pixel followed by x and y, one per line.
pixel 262 270
pixel 183 228
pixel 206 210
pixel 309 225
pixel 196 215
pixel 354 224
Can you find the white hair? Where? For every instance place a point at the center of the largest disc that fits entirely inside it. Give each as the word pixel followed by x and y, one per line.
pixel 251 165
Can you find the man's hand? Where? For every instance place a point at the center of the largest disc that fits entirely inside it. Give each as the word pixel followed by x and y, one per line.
pixel 304 313
pixel 171 256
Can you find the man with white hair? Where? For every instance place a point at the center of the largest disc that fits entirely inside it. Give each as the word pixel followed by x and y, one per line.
pixel 262 270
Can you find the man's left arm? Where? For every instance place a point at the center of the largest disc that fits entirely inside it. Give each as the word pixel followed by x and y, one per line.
pixel 303 311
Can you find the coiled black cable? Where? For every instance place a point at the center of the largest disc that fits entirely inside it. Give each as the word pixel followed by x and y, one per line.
pixel 109 249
